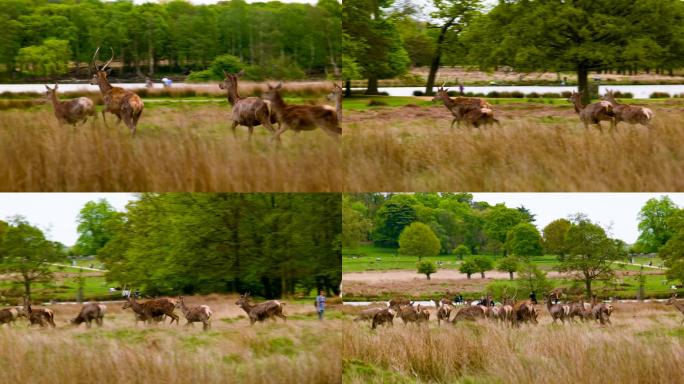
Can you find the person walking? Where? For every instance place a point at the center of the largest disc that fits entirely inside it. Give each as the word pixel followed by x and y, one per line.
pixel 320 304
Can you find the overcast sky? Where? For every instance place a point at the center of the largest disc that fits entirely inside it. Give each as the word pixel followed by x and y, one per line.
pixel 56 213
pixel 614 211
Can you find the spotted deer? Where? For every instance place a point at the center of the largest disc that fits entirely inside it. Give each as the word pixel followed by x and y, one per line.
pixel 70 111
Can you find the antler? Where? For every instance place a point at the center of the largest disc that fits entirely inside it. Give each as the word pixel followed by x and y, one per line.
pixel 110 60
pixel 92 63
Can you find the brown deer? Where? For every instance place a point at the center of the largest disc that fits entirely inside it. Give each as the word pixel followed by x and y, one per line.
pixel 70 111
pixel 384 316
pixel 593 113
pixel 152 309
pixel 409 314
pixel 367 314
pixel 601 311
pixel 262 311
pixel 301 117
pixel 677 304
pixel 628 113
pixel 90 312
pixel 196 314
pixel 10 315
pixel 397 302
pixel 40 316
pixel 470 313
pixel 250 111
pixel 526 312
pixel 336 97
pixel 474 111
pixel 557 311
pixel 123 104
pixel 443 310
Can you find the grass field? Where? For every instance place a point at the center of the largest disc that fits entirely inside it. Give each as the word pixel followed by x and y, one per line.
pixel 302 350
pixel 409 146
pixel 180 146
pixel 644 345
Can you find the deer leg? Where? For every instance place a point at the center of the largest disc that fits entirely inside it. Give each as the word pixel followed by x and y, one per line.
pixel 251 130
pixel 104 119
pixel 453 121
pixel 235 124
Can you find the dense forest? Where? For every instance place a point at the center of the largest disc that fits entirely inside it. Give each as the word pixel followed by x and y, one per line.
pixel 382 39
pixel 269 244
pixel 271 40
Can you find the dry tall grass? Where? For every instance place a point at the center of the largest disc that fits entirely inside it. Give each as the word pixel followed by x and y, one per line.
pixel 644 345
pixel 176 149
pixel 413 149
pixel 303 350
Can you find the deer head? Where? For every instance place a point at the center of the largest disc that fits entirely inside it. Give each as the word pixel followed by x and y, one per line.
pixel 609 96
pixel 100 73
pixel 273 92
pixel 230 80
pixel 442 94
pixel 128 303
pixel 244 299
pixel 50 91
pixel 179 302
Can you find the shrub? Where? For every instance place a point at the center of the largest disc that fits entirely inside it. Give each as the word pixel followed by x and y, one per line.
pixel 660 95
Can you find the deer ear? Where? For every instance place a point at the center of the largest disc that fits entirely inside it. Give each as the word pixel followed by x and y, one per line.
pixel 225 73
pixel 56 86
pixel 48 88
pixel 279 86
pixel 242 72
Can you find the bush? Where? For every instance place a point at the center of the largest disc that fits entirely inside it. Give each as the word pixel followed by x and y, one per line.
pixel 623 95
pixel 228 63
pixel 551 95
pixel 660 95
pixel 533 95
pixel 427 268
pixel 418 93
pixel 282 68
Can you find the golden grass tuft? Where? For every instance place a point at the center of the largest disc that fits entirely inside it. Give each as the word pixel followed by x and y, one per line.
pixel 303 350
pixel 177 149
pixel 643 345
pixel 407 150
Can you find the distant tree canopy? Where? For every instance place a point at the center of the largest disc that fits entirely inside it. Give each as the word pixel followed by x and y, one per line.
pixel 174 36
pixel 268 244
pixel 654 224
pixel 97 224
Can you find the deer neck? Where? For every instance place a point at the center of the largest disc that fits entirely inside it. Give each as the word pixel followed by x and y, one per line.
pixel 55 101
pixel 233 95
pixel 104 85
pixel 578 105
pixel 183 308
pixel 246 307
pixel 278 103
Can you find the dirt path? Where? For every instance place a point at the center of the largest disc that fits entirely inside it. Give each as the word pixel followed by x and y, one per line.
pixel 404 275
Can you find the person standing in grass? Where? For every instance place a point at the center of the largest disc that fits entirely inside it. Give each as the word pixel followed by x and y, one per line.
pixel 320 304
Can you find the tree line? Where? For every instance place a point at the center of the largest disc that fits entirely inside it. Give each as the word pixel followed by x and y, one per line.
pixel 382 39
pixel 271 39
pixel 191 243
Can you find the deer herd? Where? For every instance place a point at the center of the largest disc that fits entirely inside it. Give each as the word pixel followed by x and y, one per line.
pixel 510 312
pixel 152 311
pixel 250 112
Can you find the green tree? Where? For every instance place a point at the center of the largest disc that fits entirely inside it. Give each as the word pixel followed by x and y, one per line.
pixel 532 279
pixel 554 236
pixel 483 264
pixel 49 58
pixel 653 224
pixel 468 267
pixel 391 218
pixel 418 240
pixel 672 252
pixel 509 264
pixel 97 223
pixel 27 254
pixel 355 226
pixel 590 254
pixel 524 240
pixel 498 221
pixel 461 251
pixel 427 268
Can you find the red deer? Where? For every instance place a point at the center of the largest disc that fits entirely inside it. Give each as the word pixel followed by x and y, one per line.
pixel 40 316
pixel 628 113
pixel 677 304
pixel 125 105
pixel 384 316
pixel 336 97
pixel 251 111
pixel 90 312
pixel 262 311
pixel 367 314
pixel 593 113
pixel 10 315
pixel 152 309
pixel 470 313
pixel 409 314
pixel 526 312
pixel 601 311
pixel 397 302
pixel 557 311
pixel 196 314
pixel 70 111
pixel 443 310
pixel 301 117
pixel 474 111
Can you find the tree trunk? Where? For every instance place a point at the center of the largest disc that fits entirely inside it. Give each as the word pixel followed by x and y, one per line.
pixel 436 58
pixel 583 83
pixel 347 88
pixel 372 85
pixel 587 285
pixel 27 288
pixel 482 274
pixel 428 276
pixel 468 275
pixel 510 273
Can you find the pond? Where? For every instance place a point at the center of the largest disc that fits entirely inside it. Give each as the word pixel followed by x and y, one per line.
pixel 639 91
pixel 16 88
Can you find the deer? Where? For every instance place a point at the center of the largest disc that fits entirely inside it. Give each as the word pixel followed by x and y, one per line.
pixel 301 117
pixel 507 314
pixel 397 302
pixel 677 304
pixel 526 312
pixel 196 314
pixel 10 315
pixel 474 111
pixel 90 312
pixel 40 316
pixel 70 111
pixel 628 113
pixel 262 311
pixel 409 314
pixel 593 113
pixel 336 97
pixel 557 311
pixel 384 316
pixel 470 313
pixel 123 104
pixel 367 314
pixel 152 309
pixel 601 311
pixel 443 310
pixel 250 111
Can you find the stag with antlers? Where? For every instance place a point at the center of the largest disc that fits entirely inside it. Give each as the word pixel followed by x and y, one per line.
pixel 124 104
pixel 250 111
pixel 474 111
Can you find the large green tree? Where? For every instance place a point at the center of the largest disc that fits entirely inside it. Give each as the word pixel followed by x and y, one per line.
pixel 355 224
pixel 524 240
pixel 97 223
pixel 418 240
pixel 498 221
pixel 653 224
pixel 554 236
